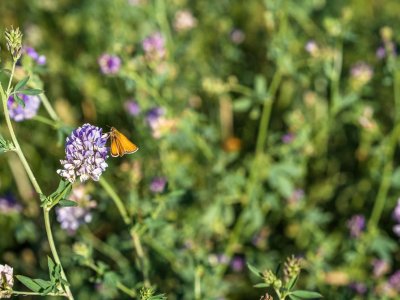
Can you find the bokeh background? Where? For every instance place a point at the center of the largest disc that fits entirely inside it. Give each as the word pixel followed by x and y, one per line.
pixel 266 129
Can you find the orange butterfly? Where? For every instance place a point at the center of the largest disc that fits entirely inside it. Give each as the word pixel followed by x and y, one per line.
pixel 120 144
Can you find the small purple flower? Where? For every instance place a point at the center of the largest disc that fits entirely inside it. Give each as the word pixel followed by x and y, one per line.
pixel 158 185
pixel 154 46
pixel 6 272
pixel 19 113
pixel 109 64
pixel 396 229
pixel 72 217
pixel 380 267
pixel 296 197
pixel 380 52
pixel 40 59
pixel 394 281
pixel 9 205
pixel 86 154
pixel 237 263
pixel 288 138
pixel 359 287
pixel 356 225
pixel 153 115
pixel 237 36
pixel 132 107
pixel 396 212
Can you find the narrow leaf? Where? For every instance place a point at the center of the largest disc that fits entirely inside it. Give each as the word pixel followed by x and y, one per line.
pixel 44 284
pixel 31 92
pixel 51 265
pixel 67 203
pixel 254 270
pixel 261 285
pixel 306 294
pixel 294 297
pixel 292 283
pixel 29 283
pixel 19 100
pixel 21 83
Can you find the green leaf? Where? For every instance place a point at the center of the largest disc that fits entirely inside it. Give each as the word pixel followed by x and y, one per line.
pixel 260 86
pixel 29 283
pixel 261 285
pixel 254 270
pixel 19 100
pixel 292 283
pixel 306 294
pixel 67 203
pixel 44 284
pixel 294 297
pixel 31 92
pixel 242 104
pixel 21 84
pixel 52 266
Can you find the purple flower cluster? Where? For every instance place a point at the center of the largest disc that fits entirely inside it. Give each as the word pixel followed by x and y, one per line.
pixel 18 112
pixel 39 59
pixel 154 46
pixel 356 225
pixel 158 185
pixel 109 64
pixel 132 107
pixel 394 281
pixel 72 217
pixel 382 51
pixel 86 154
pixel 396 217
pixel 9 205
pixel 362 71
pixel 359 287
pixel 288 138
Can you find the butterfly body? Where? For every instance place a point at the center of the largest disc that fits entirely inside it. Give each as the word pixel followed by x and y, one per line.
pixel 120 144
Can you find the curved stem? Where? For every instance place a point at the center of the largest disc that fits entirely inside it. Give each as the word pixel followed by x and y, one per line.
pixel 18 150
pixel 22 293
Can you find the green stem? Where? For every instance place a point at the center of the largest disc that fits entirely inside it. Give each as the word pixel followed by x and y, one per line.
pixel 134 235
pixel 54 250
pixel 18 150
pixel 117 200
pixel 45 120
pixel 22 293
pixel 49 108
pixel 261 139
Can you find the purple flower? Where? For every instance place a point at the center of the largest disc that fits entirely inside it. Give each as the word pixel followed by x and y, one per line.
pixel 356 225
pixel 396 212
pixel 237 36
pixel 394 281
pixel 237 263
pixel 396 229
pixel 9 205
pixel 359 287
pixel 380 52
pixel 380 267
pixel 154 46
pixel 153 115
pixel 158 184
pixel 109 64
pixel 40 59
pixel 132 107
pixel 288 138
pixel 72 217
pixel 19 113
pixel 86 154
pixel 6 272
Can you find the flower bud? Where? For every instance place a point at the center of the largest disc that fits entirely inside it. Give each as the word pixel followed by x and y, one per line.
pixel 14 42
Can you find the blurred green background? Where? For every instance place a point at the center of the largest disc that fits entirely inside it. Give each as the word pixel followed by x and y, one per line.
pixel 281 122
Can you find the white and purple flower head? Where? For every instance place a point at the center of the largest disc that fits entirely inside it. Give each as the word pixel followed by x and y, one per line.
pixel 356 225
pixel 109 64
pixel 86 154
pixel 71 218
pixel 6 276
pixel 361 71
pixel 154 46
pixel 31 52
pixel 18 112
pixel 184 20
pixel 158 185
pixel 132 107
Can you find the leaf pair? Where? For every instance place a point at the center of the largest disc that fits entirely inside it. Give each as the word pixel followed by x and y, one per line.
pixel 59 196
pixel 19 89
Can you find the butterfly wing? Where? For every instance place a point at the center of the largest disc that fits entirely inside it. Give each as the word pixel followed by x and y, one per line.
pixel 114 146
pixel 122 144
